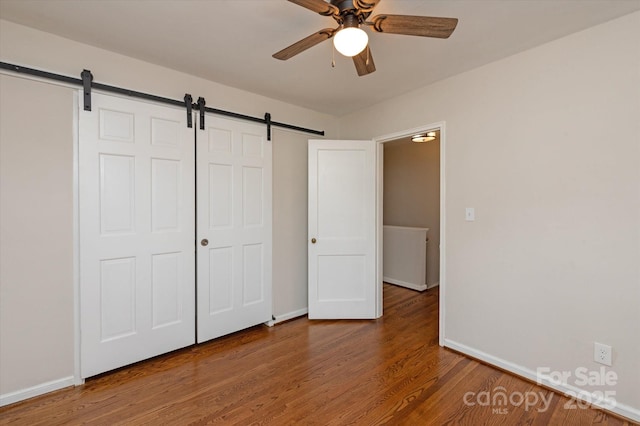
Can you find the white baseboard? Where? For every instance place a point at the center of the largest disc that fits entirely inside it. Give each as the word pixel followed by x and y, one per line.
pixel 412 286
pixel 434 285
pixel 17 396
pixel 563 388
pixel 288 316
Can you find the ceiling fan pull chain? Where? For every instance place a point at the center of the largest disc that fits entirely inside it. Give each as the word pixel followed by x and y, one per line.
pixel 333 56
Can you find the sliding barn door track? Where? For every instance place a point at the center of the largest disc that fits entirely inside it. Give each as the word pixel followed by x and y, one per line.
pixel 87 84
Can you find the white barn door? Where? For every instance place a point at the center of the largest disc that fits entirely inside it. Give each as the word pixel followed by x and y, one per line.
pixel 342 229
pixel 136 196
pixel 233 227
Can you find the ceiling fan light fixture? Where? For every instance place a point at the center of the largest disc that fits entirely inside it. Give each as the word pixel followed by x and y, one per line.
pixel 350 41
pixel 423 137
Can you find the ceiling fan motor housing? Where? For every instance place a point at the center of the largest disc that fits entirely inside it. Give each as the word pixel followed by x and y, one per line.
pixel 343 5
pixel 350 21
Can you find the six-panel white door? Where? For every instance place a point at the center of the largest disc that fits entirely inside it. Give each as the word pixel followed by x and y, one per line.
pixel 136 212
pixel 342 229
pixel 233 227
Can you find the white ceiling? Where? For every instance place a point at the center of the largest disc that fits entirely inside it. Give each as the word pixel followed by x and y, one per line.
pixel 231 41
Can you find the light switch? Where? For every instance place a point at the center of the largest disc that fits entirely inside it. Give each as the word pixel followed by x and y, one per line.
pixel 470 214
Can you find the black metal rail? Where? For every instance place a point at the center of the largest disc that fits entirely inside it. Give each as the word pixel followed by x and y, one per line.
pixel 87 83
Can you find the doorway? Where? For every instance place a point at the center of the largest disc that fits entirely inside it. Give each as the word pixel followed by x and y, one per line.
pixel 410 208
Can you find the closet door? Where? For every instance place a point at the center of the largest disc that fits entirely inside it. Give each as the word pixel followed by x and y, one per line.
pixel 233 227
pixel 137 266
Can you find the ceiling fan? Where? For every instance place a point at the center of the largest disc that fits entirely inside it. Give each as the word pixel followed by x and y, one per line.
pixel 350 40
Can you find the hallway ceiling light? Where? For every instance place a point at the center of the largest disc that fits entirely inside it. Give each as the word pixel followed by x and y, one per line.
pixel 424 137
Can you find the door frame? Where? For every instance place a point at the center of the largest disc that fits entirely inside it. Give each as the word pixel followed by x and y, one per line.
pixel 379 141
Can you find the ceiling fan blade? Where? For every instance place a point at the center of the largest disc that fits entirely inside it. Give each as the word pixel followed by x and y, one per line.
pixel 424 26
pixel 318 6
pixel 365 5
pixel 304 44
pixel 364 62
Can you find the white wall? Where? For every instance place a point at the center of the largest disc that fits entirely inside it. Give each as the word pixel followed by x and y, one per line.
pixel 290 223
pixel 36 243
pixel 546 146
pixel 21 320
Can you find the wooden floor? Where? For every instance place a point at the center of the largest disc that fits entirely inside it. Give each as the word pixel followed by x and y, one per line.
pixel 386 371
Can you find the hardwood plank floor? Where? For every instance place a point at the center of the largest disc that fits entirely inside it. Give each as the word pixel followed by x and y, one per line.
pixel 385 371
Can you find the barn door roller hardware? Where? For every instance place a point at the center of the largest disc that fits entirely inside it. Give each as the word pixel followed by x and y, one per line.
pixel 188 103
pixel 201 107
pixel 87 79
pixel 267 119
pixel 87 84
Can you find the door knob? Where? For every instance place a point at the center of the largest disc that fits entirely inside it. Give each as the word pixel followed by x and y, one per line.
pixel 313 241
pixel 204 242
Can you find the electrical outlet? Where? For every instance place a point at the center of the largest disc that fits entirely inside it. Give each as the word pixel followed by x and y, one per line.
pixel 602 353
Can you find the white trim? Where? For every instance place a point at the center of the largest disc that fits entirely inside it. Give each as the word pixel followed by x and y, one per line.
pixel 563 388
pixel 434 285
pixel 443 239
pixel 20 395
pixel 442 279
pixel 287 317
pixel 412 286
pixel 78 380
pixel 379 225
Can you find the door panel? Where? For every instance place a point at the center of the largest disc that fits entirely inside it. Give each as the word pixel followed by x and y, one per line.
pixel 342 213
pixel 234 216
pixel 137 273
